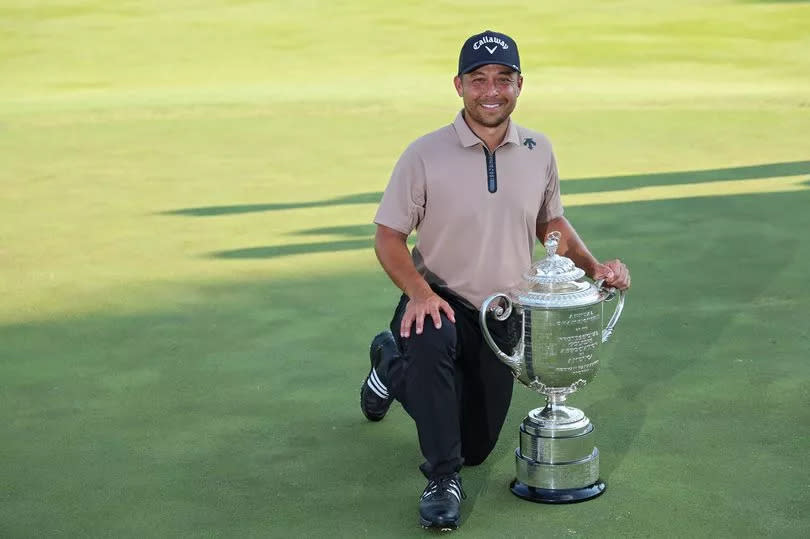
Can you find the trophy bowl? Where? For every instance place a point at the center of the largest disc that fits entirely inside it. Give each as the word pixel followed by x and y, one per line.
pixel 562 329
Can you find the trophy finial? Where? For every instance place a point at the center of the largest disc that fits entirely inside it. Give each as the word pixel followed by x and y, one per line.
pixel 552 241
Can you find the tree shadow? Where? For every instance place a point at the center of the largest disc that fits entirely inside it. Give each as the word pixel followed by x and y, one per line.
pixel 212 211
pixel 348 230
pixel 616 183
pixel 680 305
pixel 217 412
pixel 274 251
pixel 366 231
pixel 232 409
pixel 572 186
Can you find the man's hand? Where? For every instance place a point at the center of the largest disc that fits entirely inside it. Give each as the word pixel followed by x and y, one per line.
pixel 421 306
pixel 615 274
pixel 392 251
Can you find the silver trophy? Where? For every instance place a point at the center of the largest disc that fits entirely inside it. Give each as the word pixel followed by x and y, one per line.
pixel 562 329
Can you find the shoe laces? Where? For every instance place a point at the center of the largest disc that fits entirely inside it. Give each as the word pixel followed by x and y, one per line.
pixel 450 484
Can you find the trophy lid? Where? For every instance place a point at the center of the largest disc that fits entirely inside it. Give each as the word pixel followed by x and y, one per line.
pixel 553 268
pixel 555 282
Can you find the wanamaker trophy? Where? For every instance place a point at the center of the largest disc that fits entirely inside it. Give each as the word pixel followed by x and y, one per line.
pixel 561 315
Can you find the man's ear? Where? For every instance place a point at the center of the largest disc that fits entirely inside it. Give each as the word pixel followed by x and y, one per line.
pixel 520 84
pixel 457 84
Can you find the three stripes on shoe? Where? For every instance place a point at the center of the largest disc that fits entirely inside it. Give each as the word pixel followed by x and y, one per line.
pixel 376 385
pixel 452 487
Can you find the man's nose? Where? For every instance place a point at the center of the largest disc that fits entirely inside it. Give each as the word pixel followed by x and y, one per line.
pixel 492 88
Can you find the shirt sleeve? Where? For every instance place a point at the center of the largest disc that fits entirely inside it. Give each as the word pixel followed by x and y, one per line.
pixel 403 203
pixel 552 205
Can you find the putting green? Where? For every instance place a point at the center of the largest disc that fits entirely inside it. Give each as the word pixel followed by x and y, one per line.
pixel 188 286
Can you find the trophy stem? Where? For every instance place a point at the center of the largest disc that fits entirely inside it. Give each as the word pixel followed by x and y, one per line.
pixel 555 410
pixel 555 399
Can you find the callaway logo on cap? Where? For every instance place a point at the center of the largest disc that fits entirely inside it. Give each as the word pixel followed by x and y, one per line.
pixel 488 48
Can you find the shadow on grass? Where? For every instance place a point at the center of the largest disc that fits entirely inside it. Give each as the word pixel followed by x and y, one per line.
pixel 233 409
pixel 349 236
pixel 615 183
pixel 220 411
pixel 273 251
pixel 211 211
pixel 582 185
pixel 348 230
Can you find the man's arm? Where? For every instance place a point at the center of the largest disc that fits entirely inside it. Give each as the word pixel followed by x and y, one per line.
pixel 614 272
pixel 392 252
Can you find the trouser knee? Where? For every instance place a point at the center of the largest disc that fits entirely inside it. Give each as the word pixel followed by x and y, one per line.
pixel 433 344
pixel 426 369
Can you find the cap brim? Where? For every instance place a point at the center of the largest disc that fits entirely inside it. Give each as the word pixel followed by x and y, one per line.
pixel 487 62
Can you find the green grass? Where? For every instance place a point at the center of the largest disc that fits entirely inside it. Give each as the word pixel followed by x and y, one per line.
pixel 188 289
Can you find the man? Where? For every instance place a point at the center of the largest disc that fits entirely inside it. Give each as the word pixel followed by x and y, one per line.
pixel 479 192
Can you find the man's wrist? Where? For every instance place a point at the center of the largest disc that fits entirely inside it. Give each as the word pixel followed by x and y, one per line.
pixel 418 290
pixel 590 267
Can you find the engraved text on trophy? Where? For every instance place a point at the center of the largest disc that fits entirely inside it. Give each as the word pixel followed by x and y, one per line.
pixel 565 344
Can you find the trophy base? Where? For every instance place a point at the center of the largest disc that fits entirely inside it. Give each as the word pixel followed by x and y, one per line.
pixel 557 461
pixel 554 495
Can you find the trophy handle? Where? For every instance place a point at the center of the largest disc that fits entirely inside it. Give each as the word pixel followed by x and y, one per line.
pixel 501 314
pixel 617 312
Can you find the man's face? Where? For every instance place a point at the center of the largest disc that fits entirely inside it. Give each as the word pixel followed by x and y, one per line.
pixel 490 93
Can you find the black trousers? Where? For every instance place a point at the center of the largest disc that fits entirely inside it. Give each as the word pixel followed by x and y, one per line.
pixel 453 386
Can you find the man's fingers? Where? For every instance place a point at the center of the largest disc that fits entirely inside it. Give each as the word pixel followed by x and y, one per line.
pixel 416 312
pixel 603 272
pixel 624 278
pixel 405 325
pixel 420 321
pixel 621 275
pixel 409 319
pixel 448 311
pixel 437 319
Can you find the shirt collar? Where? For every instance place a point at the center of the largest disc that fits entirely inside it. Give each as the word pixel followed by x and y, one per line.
pixel 468 138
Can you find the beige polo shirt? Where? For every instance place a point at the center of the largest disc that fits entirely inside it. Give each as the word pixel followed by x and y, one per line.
pixel 474 211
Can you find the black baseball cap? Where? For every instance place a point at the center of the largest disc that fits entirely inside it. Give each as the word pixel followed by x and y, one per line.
pixel 488 47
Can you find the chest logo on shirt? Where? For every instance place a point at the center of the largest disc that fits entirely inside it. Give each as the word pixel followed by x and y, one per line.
pixel 529 143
